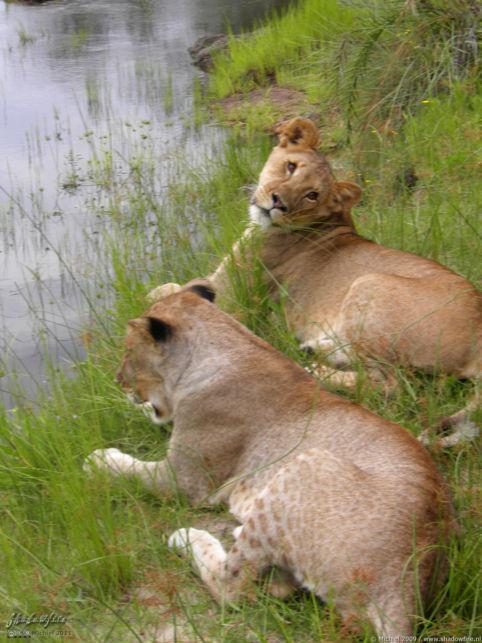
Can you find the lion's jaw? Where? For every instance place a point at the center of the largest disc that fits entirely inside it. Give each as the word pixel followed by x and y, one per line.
pixel 139 378
pixel 152 402
pixel 260 216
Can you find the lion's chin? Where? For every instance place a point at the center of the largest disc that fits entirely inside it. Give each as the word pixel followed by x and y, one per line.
pixel 260 216
pixel 157 415
pixel 154 413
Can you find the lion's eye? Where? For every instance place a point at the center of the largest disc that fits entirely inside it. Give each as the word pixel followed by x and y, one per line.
pixel 312 196
pixel 291 167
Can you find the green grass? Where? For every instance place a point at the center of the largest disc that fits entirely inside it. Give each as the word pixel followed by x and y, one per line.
pixel 439 146
pixel 257 58
pixel 96 552
pixel 373 64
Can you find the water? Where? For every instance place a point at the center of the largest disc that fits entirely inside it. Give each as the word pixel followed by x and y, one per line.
pixel 79 76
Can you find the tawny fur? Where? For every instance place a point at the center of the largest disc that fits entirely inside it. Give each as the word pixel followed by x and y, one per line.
pixel 342 501
pixel 342 294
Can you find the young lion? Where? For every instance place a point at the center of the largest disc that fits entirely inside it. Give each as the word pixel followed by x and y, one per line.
pixel 343 294
pixel 342 501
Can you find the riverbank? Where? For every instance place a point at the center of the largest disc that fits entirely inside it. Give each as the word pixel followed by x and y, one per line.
pixel 95 553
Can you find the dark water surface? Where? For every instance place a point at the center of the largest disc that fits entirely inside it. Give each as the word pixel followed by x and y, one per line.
pixel 78 74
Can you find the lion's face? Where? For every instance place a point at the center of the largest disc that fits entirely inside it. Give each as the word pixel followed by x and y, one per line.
pixel 156 352
pixel 296 186
pixel 141 371
pixel 293 186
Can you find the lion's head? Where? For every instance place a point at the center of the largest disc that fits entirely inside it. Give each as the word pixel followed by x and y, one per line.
pixel 154 351
pixel 296 186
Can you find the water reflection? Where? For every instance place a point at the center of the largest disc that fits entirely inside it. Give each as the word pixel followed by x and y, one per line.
pixel 78 75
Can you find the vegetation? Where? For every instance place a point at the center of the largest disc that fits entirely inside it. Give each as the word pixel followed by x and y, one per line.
pixel 395 90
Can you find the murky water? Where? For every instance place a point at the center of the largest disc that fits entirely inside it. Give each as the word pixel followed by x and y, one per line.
pixel 76 77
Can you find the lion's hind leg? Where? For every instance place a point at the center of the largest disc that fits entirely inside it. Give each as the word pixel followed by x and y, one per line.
pixel 227 575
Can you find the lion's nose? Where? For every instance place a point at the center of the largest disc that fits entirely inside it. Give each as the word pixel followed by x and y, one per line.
pixel 277 202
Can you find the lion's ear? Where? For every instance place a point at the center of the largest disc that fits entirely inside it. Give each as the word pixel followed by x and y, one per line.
pixel 202 288
pixel 298 131
pixel 140 322
pixel 343 195
pixel 159 330
pixel 348 192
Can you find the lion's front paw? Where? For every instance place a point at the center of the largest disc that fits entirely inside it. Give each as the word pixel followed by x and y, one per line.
pixel 111 460
pixel 162 291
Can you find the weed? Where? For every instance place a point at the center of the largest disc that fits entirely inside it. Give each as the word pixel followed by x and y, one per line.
pixel 168 95
pixel 80 37
pixel 24 37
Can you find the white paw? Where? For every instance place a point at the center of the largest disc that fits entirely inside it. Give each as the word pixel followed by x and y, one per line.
pixel 204 550
pixel 192 543
pixel 237 531
pixel 162 291
pixel 111 460
pixel 179 539
pixel 185 538
pixel 337 357
pixel 464 432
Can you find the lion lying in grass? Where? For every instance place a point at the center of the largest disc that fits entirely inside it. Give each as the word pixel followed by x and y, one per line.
pixel 343 502
pixel 342 294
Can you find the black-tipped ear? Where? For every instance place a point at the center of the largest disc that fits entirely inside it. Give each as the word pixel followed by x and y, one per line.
pixel 159 330
pixel 205 290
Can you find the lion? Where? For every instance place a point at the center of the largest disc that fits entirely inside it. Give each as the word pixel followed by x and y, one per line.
pixel 341 501
pixel 342 294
